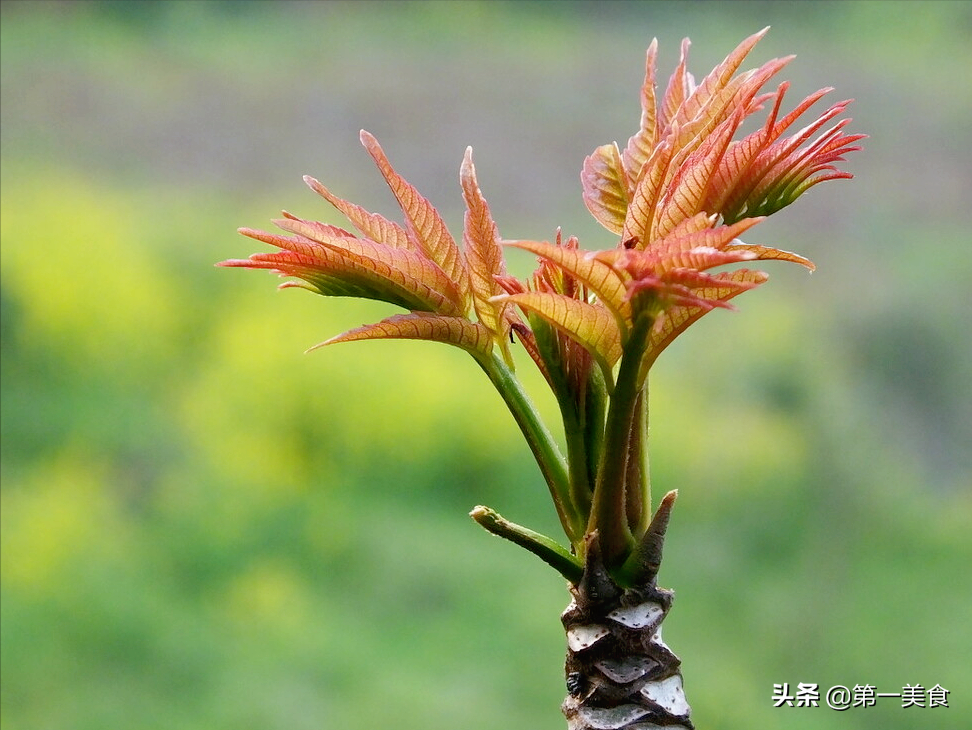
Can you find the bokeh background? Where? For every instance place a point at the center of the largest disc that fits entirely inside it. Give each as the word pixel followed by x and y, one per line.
pixel 203 528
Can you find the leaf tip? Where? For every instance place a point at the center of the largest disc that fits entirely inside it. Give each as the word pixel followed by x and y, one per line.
pixel 370 143
pixel 467 171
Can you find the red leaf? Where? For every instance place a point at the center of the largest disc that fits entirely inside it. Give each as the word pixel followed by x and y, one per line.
pixel 423 222
pixel 598 276
pixel 605 187
pixel 641 144
pixel 483 252
pixel 371 225
pixel 687 190
pixel 457 331
pixel 644 200
pixel 408 268
pixel 677 90
pixel 380 277
pixel 717 79
pixel 677 319
pixel 592 326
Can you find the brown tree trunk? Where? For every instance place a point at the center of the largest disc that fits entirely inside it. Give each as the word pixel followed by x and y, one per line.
pixel 620 674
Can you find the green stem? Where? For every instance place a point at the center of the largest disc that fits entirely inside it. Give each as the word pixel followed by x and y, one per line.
pixel 637 480
pixel 608 514
pixel 552 464
pixel 551 552
pixel 579 473
pixel 642 565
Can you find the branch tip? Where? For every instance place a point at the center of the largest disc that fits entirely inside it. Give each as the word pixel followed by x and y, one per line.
pixel 548 550
pixel 643 564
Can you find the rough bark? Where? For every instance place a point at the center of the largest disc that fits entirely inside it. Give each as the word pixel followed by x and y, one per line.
pixel 620 674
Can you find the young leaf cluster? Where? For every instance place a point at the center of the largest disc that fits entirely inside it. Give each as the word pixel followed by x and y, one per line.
pixel 677 198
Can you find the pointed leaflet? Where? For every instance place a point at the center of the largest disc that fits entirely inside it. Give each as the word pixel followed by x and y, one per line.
pixel 644 200
pixel 371 225
pixel 703 258
pixel 641 144
pixel 688 287
pixel 772 162
pixel 423 222
pixel 765 253
pixel 684 195
pixel 717 79
pixel 483 253
pixel 698 222
pixel 664 254
pixel 598 276
pixel 325 267
pixel 677 319
pixel 590 325
pixel 677 89
pixel 408 268
pixel 748 164
pixel 679 288
pixel 739 95
pixel 605 187
pixel 457 331
pixel 332 280
pixel 526 335
pixel 794 173
pixel 739 156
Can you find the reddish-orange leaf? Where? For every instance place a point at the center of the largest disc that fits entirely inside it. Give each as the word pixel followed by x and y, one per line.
pixel 591 325
pixel 458 331
pixel 381 275
pixel 644 200
pixel 677 319
pixel 409 268
pixel 678 89
pixel 641 144
pixel 688 285
pixel 765 253
pixel 605 187
pixel 371 225
pixel 784 180
pixel 698 222
pixel 598 276
pixel 328 272
pixel 423 221
pixel 718 78
pixel 483 252
pixel 687 190
pixel 684 238
pixel 703 258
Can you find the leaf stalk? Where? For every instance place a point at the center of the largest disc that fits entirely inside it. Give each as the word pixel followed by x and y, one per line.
pixel 548 550
pixel 548 456
pixel 609 514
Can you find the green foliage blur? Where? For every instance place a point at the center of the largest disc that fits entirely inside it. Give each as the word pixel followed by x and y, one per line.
pixel 204 529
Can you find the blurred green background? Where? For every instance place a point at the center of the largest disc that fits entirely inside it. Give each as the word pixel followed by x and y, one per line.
pixel 203 528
